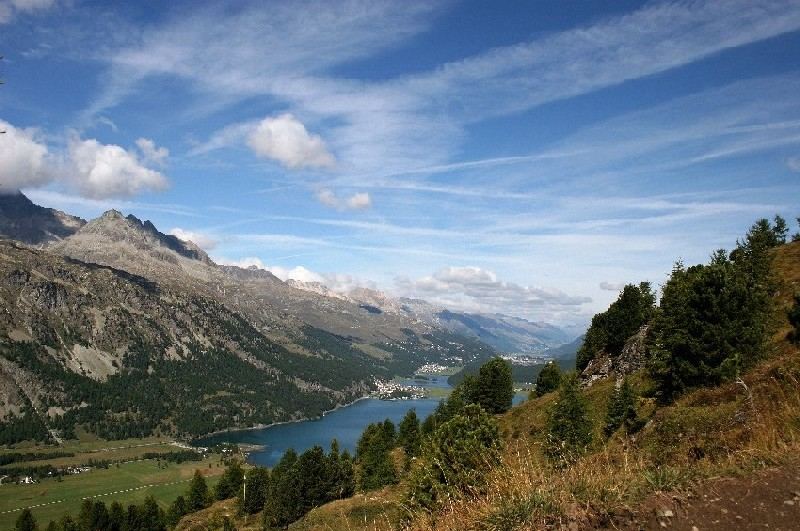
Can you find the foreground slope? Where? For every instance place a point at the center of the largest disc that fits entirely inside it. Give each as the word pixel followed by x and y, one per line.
pixel 671 473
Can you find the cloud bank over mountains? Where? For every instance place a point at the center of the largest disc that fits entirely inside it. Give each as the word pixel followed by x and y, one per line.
pixel 93 169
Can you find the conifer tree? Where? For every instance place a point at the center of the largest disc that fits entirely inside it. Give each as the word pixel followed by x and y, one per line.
pixel 66 523
pixel 314 483
pixel 374 458
pixel 230 482
pixel 151 516
pixel 116 516
pixel 494 390
pixel 794 320
pixel 409 437
pixel 281 505
pixel 340 473
pixel 177 510
pixel 621 408
pixel 456 459
pixel 198 497
pixel 256 491
pixel 26 521
pixel 568 425
pixel 714 320
pixel 780 229
pixel 548 380
pixel 85 514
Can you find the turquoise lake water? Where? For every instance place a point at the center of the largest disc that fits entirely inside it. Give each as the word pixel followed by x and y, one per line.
pixel 344 424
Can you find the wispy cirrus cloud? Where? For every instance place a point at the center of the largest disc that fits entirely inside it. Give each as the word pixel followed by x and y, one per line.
pixel 10 8
pixel 396 124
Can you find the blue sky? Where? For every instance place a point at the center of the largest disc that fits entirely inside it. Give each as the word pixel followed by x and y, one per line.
pixel 525 157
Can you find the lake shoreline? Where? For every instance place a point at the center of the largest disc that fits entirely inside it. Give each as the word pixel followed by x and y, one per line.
pixel 193 442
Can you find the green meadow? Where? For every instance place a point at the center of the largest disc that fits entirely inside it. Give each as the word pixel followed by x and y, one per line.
pixel 127 482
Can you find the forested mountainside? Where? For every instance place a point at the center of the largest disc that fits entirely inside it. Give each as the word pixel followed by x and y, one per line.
pixel 126 356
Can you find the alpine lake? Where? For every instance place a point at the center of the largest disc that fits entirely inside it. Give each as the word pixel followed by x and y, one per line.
pixel 267 445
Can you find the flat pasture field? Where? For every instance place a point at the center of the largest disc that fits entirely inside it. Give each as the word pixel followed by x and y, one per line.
pixel 128 482
pixel 96 450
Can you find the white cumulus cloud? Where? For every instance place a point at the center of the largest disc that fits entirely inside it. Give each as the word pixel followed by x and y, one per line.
pixel 295 273
pixel 203 240
pixel 23 158
pixel 285 139
pixel 107 170
pixel 152 153
pixel 793 163
pixel 357 201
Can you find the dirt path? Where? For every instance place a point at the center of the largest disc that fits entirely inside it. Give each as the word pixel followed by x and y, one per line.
pixel 769 499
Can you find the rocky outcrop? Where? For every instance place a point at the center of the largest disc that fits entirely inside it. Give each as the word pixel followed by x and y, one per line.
pixel 631 359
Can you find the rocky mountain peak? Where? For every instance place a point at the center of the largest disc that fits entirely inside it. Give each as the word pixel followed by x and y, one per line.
pixel 111 215
pixel 113 228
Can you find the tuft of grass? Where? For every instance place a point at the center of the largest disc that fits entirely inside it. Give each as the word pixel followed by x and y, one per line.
pixel 519 513
pixel 662 479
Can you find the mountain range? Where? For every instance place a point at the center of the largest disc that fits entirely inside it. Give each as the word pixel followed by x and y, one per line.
pixel 116 328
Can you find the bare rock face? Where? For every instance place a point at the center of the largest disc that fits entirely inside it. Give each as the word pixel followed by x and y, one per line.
pixel 631 359
pixel 598 369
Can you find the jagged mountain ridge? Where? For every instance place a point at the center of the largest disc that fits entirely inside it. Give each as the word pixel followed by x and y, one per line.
pixel 131 245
